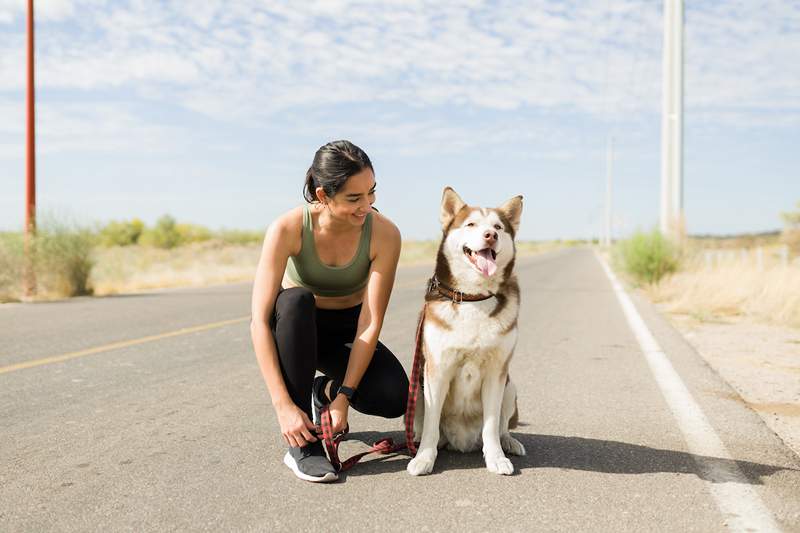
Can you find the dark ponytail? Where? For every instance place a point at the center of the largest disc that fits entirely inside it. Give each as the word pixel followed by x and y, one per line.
pixel 333 165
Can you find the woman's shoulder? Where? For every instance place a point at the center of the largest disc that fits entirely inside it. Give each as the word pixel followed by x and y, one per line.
pixel 288 227
pixel 384 230
pixel 290 220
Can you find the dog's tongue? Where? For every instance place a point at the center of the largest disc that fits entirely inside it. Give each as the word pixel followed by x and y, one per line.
pixel 485 262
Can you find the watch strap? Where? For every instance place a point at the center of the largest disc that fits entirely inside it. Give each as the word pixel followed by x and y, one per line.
pixel 349 392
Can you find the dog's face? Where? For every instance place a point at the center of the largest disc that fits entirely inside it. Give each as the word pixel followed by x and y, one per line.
pixel 478 241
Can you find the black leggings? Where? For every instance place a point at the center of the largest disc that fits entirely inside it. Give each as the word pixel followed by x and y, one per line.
pixel 310 339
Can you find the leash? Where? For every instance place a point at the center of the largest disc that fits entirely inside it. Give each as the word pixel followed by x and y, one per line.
pixel 387 445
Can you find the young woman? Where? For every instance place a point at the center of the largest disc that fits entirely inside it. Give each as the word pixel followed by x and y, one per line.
pixel 320 294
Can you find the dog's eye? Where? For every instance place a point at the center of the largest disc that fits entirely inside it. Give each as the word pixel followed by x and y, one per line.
pixel 470 224
pixel 498 227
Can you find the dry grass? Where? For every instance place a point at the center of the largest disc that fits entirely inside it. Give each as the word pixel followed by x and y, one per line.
pixel 732 288
pixel 134 268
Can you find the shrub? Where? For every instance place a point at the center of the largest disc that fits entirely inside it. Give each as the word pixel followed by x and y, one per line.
pixel 647 256
pixel 62 257
pixel 791 230
pixel 11 256
pixel 192 233
pixel 124 233
pixel 165 234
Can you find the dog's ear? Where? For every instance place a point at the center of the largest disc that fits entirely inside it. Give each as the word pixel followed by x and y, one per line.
pixel 512 210
pixel 451 204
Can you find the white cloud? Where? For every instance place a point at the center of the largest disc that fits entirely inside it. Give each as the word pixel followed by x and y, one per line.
pixel 250 59
pixel 93 128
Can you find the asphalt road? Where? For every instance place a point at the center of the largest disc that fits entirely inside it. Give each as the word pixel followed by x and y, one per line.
pixel 115 416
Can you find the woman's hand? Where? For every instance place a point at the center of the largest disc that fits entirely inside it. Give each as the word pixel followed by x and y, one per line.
pixel 296 428
pixel 338 408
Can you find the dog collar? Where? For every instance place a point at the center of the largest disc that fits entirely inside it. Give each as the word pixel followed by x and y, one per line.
pixel 457 297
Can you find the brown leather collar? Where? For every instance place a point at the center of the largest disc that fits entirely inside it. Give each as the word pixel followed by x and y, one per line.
pixel 455 296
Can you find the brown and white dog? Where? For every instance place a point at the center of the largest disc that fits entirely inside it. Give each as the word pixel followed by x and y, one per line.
pixel 468 337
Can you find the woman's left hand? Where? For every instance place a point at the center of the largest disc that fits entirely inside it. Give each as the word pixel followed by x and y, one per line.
pixel 338 408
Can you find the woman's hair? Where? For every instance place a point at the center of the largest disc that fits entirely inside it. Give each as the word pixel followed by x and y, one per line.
pixel 333 165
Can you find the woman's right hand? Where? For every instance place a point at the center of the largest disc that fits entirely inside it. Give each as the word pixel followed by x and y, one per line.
pixel 296 428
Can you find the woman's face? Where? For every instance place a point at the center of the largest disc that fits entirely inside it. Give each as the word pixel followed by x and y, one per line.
pixel 354 201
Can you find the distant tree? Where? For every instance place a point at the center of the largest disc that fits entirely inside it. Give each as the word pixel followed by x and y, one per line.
pixel 122 233
pixel 164 235
pixel 792 218
pixel 791 231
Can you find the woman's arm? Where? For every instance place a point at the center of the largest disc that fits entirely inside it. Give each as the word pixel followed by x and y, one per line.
pixel 274 255
pixel 370 321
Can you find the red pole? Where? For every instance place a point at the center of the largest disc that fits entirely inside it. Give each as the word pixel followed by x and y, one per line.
pixel 29 282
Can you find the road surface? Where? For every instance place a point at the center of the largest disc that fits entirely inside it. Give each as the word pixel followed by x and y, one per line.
pixel 147 412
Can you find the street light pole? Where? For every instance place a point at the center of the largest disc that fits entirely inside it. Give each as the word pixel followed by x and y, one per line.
pixel 672 219
pixel 29 281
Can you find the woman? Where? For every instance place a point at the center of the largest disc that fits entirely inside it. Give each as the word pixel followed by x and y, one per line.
pixel 319 298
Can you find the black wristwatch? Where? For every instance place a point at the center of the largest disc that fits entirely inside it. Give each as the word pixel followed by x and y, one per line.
pixel 349 392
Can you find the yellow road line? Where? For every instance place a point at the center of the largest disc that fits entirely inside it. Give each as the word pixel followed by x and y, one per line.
pixel 117 345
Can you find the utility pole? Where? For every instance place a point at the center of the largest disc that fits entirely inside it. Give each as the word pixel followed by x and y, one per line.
pixel 672 217
pixel 29 276
pixel 609 163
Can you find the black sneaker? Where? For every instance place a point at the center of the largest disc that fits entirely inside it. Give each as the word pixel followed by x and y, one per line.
pixel 310 463
pixel 318 399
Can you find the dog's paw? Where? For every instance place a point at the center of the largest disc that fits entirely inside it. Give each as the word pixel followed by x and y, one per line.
pixel 511 445
pixel 422 464
pixel 499 464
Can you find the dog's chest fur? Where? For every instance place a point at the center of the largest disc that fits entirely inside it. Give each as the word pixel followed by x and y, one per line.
pixel 471 330
pixel 467 339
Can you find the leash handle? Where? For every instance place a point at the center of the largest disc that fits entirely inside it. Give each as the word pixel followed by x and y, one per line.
pixel 331 441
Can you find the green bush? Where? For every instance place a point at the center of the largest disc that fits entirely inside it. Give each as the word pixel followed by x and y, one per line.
pixel 124 233
pixel 11 255
pixel 62 257
pixel 165 234
pixel 192 233
pixel 647 256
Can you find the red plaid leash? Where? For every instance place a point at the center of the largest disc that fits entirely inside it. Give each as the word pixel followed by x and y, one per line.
pixel 387 445
pixel 414 385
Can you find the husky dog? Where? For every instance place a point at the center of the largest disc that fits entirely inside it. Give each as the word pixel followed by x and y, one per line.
pixel 468 337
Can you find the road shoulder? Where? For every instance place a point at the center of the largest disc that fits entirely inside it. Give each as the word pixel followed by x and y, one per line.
pixel 760 361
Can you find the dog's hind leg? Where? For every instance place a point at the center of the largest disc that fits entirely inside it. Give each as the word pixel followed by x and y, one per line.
pixel 507 412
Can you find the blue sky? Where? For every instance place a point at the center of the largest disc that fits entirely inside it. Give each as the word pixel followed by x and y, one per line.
pixel 212 111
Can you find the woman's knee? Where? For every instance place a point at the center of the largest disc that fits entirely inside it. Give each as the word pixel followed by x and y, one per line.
pixel 294 303
pixel 387 399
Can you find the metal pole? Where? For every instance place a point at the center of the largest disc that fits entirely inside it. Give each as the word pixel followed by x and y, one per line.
pixel 677 143
pixel 609 162
pixel 672 215
pixel 666 158
pixel 29 281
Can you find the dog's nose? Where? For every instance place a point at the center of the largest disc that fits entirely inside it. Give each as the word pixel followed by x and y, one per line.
pixel 490 236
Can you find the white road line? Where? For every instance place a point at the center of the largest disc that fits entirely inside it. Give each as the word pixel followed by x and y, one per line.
pixel 737 500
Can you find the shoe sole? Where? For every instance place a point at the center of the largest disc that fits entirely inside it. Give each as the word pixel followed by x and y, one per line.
pixel 327 478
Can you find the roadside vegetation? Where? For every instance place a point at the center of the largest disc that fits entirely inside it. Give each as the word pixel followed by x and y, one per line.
pixel 720 278
pixel 70 259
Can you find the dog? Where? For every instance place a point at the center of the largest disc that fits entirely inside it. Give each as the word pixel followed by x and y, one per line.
pixel 469 334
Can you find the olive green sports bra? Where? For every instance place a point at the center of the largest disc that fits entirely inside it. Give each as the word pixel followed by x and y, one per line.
pixel 306 269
